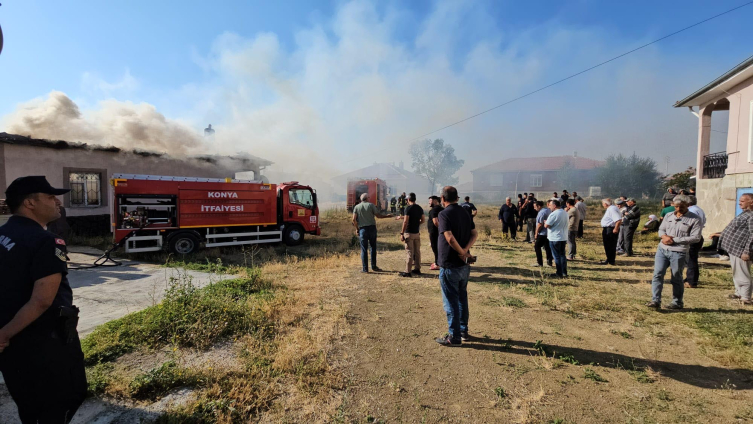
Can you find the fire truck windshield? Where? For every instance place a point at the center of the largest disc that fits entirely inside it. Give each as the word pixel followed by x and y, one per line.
pixel 302 197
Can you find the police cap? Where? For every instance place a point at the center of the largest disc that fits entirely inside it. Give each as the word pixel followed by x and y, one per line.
pixel 24 186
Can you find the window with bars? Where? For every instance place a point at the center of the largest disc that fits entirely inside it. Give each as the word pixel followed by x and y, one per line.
pixel 85 189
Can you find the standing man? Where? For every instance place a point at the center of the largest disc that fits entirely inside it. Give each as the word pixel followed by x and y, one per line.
pixel 458 234
pixel 631 220
pixel 678 231
pixel 364 215
pixel 402 203
pixel 737 241
pixel 564 197
pixel 529 213
pixel 541 232
pixel 556 225
pixel 666 200
pixel 573 218
pixel 506 216
pixel 621 204
pixel 393 205
pixel 432 224
pixel 691 277
pixel 414 217
pixel 610 227
pixel 581 205
pixel 40 353
pixel 521 200
pixel 469 207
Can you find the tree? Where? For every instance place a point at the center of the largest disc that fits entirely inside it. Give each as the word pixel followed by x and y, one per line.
pixel 436 161
pixel 681 180
pixel 629 175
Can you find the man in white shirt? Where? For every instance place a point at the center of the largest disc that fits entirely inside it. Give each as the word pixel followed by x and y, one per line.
pixel 556 226
pixel 610 229
pixel 691 276
pixel 581 205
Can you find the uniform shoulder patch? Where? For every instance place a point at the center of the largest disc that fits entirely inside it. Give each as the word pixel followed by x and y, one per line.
pixel 61 255
pixel 60 241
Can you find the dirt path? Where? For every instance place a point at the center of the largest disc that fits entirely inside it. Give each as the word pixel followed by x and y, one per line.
pixel 654 372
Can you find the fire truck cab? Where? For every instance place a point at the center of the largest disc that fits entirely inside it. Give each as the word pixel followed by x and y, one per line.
pixel 151 212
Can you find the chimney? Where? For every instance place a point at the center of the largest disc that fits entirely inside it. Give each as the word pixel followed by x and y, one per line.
pixel 401 164
pixel 575 154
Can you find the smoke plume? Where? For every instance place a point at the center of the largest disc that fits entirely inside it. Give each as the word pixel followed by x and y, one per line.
pixel 113 123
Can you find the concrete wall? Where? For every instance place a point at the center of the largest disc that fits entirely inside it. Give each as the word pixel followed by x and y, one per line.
pixel 718 199
pixel 55 164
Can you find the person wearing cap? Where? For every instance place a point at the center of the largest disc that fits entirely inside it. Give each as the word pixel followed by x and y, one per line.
pixel 678 231
pixel 364 215
pixel 40 352
pixel 630 221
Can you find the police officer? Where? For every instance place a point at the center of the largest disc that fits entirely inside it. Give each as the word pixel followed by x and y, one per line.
pixel 40 353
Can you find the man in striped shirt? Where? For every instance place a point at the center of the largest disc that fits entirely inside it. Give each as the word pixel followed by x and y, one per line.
pixel 737 240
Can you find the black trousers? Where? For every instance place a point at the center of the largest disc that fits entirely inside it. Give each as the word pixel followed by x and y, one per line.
pixel 45 377
pixel 692 265
pixel 511 226
pixel 521 221
pixel 542 241
pixel 434 240
pixel 580 229
pixel 610 243
pixel 627 238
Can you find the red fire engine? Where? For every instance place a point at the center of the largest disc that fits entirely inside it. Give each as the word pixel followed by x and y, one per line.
pixel 151 212
pixel 377 189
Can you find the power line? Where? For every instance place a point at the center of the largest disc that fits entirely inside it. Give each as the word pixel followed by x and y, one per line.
pixel 562 80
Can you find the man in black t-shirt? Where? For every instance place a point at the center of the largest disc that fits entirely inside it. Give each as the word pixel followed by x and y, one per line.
pixel 457 235
pixel 469 207
pixel 432 224
pixel 529 213
pixel 414 217
pixel 40 353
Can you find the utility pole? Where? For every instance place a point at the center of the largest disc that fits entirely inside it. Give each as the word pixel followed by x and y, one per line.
pixel 666 165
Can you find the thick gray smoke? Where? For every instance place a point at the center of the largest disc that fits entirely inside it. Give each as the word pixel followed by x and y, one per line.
pixel 121 124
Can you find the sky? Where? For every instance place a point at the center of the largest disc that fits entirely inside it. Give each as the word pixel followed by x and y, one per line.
pixel 328 87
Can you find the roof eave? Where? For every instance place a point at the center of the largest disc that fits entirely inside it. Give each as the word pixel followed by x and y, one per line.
pixel 727 76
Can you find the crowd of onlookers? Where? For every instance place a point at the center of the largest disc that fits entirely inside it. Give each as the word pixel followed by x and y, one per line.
pixel 554 227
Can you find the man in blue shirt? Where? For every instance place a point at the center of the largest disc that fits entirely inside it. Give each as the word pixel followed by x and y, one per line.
pixel 541 240
pixel 557 228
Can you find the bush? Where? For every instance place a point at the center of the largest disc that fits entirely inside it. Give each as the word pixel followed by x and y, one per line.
pixel 187 317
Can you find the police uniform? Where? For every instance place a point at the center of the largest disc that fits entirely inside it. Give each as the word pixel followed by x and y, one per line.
pixel 43 366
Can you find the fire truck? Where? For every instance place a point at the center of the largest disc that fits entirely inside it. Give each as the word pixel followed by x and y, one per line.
pixel 379 193
pixel 151 212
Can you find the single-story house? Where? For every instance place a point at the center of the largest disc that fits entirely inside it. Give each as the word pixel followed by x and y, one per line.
pixel 540 175
pixel 87 169
pixel 721 177
pixel 397 177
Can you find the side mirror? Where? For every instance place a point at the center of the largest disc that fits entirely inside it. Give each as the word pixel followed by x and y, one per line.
pixel 313 196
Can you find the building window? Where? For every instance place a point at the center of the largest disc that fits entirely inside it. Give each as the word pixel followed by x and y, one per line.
pixel 301 197
pixel 85 189
pixel 536 180
pixel 496 180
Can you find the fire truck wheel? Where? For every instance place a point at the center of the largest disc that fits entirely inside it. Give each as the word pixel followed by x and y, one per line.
pixel 293 235
pixel 183 243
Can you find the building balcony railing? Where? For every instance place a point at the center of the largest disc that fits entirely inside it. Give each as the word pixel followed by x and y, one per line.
pixel 714 165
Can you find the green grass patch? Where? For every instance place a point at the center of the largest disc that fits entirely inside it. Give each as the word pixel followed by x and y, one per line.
pixel 158 381
pixel 513 302
pixel 590 374
pixel 187 317
pixel 730 334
